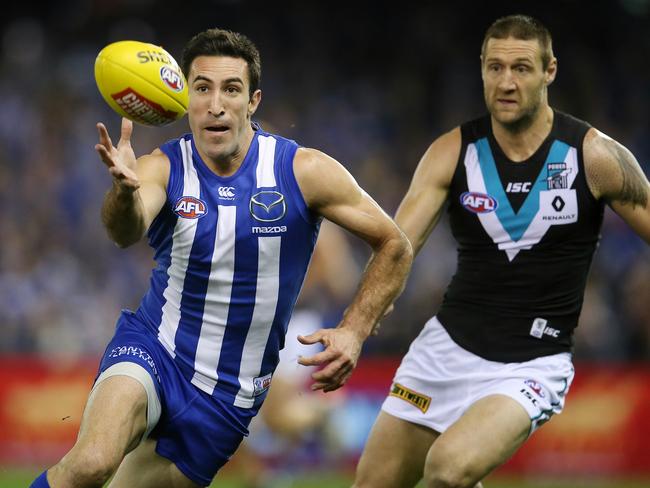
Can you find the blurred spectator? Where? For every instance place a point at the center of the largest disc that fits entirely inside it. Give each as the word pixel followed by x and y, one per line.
pixel 372 90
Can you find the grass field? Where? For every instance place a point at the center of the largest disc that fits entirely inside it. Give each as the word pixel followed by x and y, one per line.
pixel 17 478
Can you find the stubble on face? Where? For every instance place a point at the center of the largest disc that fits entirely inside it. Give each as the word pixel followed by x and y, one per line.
pixel 516 102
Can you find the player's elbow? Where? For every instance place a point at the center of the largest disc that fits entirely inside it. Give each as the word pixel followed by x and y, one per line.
pixel 122 237
pixel 399 248
pixel 124 243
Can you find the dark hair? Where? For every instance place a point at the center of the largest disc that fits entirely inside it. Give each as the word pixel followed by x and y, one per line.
pixel 221 42
pixel 521 27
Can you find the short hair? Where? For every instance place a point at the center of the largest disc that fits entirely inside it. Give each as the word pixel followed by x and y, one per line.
pixel 221 42
pixel 521 27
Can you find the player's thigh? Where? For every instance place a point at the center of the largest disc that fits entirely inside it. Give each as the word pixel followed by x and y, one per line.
pixel 115 416
pixel 484 437
pixel 394 454
pixel 144 468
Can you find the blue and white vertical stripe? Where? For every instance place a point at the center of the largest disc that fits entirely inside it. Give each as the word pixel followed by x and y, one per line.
pixel 222 294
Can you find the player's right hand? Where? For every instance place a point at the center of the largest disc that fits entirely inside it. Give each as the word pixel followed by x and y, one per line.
pixel 120 160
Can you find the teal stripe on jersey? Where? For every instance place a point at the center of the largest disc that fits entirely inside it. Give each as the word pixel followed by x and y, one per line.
pixel 515 223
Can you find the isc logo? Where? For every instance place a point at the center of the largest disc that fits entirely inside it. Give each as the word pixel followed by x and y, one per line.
pixel 518 187
pixel 190 208
pixel 171 78
pixel 478 202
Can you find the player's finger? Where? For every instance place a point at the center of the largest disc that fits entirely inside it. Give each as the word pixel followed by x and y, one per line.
pixel 338 384
pixel 311 338
pixel 104 155
pixel 104 138
pixel 318 386
pixel 317 359
pixel 333 383
pixel 332 372
pixel 126 131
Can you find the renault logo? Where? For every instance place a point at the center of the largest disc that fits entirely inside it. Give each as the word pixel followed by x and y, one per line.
pixel 268 206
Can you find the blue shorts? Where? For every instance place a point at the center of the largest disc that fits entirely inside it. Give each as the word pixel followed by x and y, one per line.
pixel 197 432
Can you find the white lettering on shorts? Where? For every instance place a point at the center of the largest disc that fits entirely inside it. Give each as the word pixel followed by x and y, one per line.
pixel 135 351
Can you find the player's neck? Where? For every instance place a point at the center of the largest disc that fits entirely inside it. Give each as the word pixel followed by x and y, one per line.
pixel 519 144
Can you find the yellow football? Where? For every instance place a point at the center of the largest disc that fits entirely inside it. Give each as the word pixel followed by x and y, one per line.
pixel 141 82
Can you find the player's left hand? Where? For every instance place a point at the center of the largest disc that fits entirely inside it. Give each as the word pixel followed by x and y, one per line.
pixel 342 349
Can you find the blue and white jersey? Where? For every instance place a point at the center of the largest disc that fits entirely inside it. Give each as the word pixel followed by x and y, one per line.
pixel 526 234
pixel 231 254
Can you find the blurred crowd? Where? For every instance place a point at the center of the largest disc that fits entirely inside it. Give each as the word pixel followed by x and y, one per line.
pixel 370 85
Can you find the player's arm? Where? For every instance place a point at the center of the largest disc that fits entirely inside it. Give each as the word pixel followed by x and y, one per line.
pixel 614 175
pixel 139 186
pixel 422 205
pixel 332 192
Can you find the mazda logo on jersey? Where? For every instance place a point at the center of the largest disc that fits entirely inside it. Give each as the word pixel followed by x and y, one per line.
pixel 268 206
pixel 190 208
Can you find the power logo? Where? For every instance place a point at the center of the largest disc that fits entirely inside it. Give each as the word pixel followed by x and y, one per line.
pixel 190 208
pixel 419 400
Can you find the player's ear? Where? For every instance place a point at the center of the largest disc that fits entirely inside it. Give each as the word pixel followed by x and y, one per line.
pixel 551 71
pixel 254 102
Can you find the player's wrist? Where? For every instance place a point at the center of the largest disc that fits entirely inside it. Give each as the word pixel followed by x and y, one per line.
pixel 123 190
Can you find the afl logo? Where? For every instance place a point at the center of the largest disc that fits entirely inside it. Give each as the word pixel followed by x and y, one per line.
pixel 268 206
pixel 478 202
pixel 171 78
pixel 190 208
pixel 536 387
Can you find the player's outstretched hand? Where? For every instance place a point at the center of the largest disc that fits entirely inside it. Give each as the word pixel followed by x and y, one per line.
pixel 120 160
pixel 342 349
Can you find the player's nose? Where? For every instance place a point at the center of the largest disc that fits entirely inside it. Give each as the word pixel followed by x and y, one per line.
pixel 216 107
pixel 507 81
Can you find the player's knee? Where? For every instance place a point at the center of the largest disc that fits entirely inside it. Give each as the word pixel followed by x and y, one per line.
pixel 368 476
pixel 447 475
pixel 361 480
pixel 447 479
pixel 89 467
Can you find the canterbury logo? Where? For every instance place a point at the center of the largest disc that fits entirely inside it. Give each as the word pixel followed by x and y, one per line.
pixel 227 192
pixel 268 206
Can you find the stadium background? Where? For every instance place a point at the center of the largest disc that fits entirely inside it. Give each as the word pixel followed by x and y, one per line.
pixel 370 84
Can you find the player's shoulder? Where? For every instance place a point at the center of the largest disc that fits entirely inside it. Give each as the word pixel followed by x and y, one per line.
pixel 445 149
pixel 450 140
pixel 598 148
pixel 310 161
pixel 154 167
pixel 607 162
pixel 279 140
pixel 156 157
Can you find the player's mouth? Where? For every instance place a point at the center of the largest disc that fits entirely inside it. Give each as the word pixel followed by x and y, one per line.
pixel 217 128
pixel 506 102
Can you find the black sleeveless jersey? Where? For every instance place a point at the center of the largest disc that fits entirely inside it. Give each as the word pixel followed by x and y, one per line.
pixel 526 235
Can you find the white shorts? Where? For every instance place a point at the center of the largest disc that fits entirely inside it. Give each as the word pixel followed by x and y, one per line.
pixel 438 381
